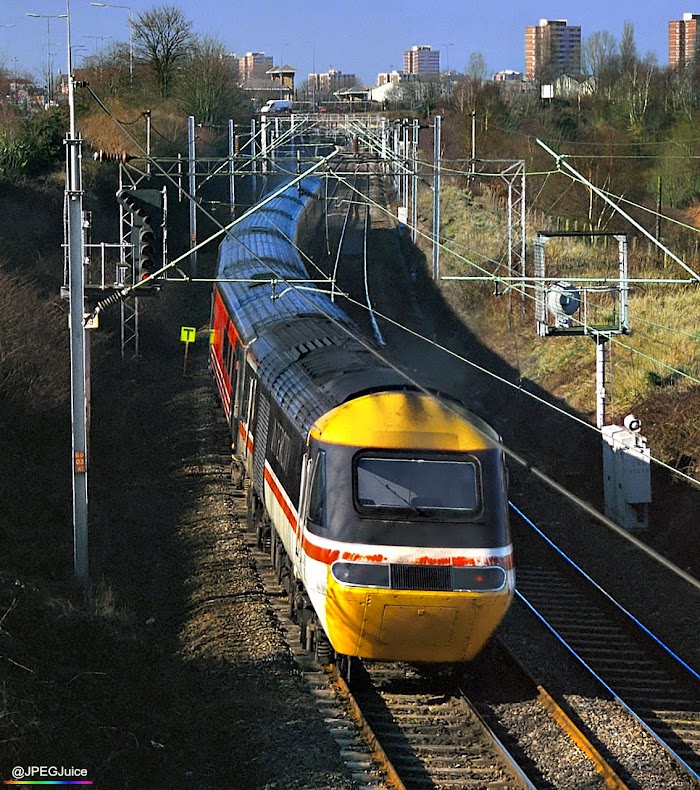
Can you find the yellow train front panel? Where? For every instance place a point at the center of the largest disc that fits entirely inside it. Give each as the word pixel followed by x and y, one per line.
pixel 408 625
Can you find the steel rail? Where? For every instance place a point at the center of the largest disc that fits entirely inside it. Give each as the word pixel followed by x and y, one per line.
pixel 591 670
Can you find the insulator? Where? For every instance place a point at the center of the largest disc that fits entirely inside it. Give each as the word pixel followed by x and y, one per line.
pixel 106 156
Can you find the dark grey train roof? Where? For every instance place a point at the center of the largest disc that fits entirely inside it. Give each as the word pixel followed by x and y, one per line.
pixel 311 365
pixel 262 248
pixel 307 349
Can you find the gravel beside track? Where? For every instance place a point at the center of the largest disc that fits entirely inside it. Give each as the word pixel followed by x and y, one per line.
pixel 219 703
pixel 228 708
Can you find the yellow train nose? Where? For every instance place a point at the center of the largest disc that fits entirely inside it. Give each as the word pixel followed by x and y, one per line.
pixel 402 625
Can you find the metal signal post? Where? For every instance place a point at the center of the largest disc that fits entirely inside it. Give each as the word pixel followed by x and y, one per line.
pixel 78 367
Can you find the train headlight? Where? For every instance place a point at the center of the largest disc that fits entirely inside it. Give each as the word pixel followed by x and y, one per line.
pixel 489 578
pixel 361 574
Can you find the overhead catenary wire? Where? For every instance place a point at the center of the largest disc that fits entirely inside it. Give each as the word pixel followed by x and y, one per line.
pixel 514 284
pixel 515 456
pixel 561 162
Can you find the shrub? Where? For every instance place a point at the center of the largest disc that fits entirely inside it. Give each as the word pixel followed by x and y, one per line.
pixel 36 149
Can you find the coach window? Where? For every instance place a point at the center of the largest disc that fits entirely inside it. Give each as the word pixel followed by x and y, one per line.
pixel 317 498
pixel 227 354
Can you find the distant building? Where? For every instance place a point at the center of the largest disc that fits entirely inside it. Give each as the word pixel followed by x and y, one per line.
pixel 389 78
pixel 552 48
pixel 331 82
pixel 275 82
pixel 422 60
pixel 252 65
pixel 508 75
pixel 386 82
pixel 683 41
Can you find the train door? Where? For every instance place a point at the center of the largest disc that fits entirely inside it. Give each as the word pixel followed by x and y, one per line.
pixel 248 410
pixel 312 500
pixel 306 475
pixel 228 354
pixel 251 387
pixel 261 428
pixel 237 377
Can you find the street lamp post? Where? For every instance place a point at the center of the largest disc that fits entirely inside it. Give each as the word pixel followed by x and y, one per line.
pixel 313 68
pixel 97 39
pixel 447 51
pixel 131 33
pixel 282 69
pixel 48 18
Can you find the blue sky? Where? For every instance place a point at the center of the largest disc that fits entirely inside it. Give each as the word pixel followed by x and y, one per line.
pixel 363 38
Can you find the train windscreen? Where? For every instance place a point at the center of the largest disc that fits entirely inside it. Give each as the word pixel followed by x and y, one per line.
pixel 417 486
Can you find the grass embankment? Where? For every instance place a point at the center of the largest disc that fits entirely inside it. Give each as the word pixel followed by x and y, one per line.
pixel 654 371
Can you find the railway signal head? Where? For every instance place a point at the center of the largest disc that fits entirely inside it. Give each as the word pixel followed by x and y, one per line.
pixel 147 261
pixel 146 210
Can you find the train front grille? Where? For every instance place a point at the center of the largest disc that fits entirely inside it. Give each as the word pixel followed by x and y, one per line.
pixel 420 577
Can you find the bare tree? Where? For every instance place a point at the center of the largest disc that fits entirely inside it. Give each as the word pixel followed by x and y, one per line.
pixel 636 91
pixel 599 51
pixel 477 70
pixel 602 61
pixel 163 37
pixel 207 88
pixel 629 59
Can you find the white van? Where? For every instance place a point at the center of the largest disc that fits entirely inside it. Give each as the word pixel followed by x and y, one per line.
pixel 276 106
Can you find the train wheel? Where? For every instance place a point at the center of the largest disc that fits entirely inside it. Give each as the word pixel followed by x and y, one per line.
pixel 264 532
pixel 237 473
pixel 293 602
pixel 309 642
pixel 251 510
pixel 275 552
pixel 344 665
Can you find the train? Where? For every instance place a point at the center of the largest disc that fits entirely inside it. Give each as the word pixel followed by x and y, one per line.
pixel 383 504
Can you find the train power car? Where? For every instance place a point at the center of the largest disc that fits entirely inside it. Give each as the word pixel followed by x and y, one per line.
pixel 384 505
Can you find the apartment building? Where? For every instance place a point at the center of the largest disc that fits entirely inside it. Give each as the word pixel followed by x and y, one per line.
pixel 421 60
pixel 683 41
pixel 253 65
pixel 552 48
pixel 330 82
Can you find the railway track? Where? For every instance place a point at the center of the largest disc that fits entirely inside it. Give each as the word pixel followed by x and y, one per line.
pixel 651 681
pixel 396 727
pixel 431 733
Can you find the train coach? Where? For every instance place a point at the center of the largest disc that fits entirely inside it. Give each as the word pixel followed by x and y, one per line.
pixel 384 505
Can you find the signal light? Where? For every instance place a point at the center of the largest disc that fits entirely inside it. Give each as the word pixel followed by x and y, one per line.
pixel 147 251
pixel 147 210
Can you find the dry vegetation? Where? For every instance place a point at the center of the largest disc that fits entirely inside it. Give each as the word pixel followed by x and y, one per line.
pixel 655 369
pixel 84 680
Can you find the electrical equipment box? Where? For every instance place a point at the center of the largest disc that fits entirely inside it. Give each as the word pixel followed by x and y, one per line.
pixel 626 474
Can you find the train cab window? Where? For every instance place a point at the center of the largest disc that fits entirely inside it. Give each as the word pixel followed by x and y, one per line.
pixel 417 486
pixel 317 496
